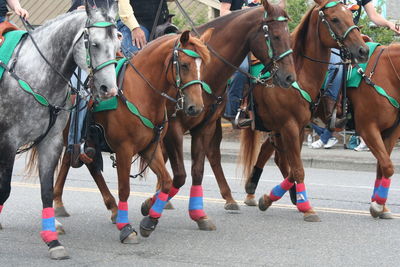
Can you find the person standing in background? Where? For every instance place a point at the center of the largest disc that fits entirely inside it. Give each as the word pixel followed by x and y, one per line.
pixel 14 5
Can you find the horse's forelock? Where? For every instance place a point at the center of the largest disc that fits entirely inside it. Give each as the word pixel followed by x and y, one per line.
pixel 201 49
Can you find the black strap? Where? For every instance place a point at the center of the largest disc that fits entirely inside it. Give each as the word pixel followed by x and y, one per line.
pixel 153 29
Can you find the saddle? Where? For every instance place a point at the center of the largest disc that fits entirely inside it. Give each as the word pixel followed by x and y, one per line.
pixel 4 28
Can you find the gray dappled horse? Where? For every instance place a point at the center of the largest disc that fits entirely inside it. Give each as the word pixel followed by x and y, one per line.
pixel 23 119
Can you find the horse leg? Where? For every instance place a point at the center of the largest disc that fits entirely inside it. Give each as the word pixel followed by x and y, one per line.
pixel 59 208
pixel 200 140
pixel 381 149
pixel 214 157
pixel 291 143
pixel 124 155
pixel 108 198
pixel 47 162
pixel 173 146
pixel 7 158
pixel 157 165
pixel 265 154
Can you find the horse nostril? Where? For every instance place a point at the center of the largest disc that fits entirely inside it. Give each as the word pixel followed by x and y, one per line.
pixel 363 51
pixel 103 88
pixel 289 79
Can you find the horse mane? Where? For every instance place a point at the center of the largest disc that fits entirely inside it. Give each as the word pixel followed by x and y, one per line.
pixel 299 36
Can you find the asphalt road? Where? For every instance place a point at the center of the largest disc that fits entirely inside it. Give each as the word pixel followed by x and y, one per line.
pixel 346 236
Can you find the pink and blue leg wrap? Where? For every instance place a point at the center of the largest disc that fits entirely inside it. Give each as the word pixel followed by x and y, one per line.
pixel 48 232
pixel 122 217
pixel 303 205
pixel 377 184
pixel 158 206
pixel 196 211
pixel 278 191
pixel 172 192
pixel 382 192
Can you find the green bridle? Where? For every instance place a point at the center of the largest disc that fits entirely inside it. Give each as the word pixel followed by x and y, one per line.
pixel 86 41
pixel 338 39
pixel 274 58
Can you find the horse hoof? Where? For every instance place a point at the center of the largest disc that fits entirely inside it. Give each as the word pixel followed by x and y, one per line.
pixel 311 218
pixel 231 206
pixel 376 209
pixel 385 215
pixel 250 201
pixel 147 226
pixel 61 212
pixel 250 188
pixel 58 253
pixel 264 203
pixel 128 235
pixel 146 206
pixel 206 224
pixel 60 228
pixel 169 206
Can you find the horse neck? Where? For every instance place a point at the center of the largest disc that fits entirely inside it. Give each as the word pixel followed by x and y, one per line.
pixel 311 75
pixel 230 40
pixel 55 41
pixel 150 62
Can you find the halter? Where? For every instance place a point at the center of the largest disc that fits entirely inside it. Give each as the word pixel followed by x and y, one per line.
pixel 178 81
pixel 339 39
pixel 275 58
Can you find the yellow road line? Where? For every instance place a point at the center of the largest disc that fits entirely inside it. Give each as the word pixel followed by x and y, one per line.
pixel 209 200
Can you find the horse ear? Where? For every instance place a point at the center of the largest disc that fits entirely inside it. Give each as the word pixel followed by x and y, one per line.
pixel 319 2
pixel 113 10
pixel 89 9
pixel 185 36
pixel 206 36
pixel 267 6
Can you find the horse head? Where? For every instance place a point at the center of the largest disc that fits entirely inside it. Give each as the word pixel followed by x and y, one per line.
pixel 95 49
pixel 188 57
pixel 272 32
pixel 339 30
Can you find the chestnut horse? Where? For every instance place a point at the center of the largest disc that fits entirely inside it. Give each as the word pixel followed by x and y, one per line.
pixel 264 32
pixel 167 67
pixel 286 112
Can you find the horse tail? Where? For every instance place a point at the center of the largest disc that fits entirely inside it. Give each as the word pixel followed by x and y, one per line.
pixel 249 149
pixel 32 164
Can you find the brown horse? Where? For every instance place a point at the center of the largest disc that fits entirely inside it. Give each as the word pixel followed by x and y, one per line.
pixel 377 119
pixel 286 112
pixel 235 35
pixel 169 65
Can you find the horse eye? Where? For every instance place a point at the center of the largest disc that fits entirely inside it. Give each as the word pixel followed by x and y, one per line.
pixel 185 66
pixel 95 45
pixel 277 38
pixel 335 20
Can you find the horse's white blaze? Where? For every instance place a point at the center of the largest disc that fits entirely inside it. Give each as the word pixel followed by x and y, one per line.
pixel 198 65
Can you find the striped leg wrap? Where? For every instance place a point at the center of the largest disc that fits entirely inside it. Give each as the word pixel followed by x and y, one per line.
pixel 172 192
pixel 278 191
pixel 303 204
pixel 196 203
pixel 159 204
pixel 377 184
pixel 382 191
pixel 48 232
pixel 122 217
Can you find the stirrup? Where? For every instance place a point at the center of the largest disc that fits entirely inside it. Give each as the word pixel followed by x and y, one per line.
pixel 240 121
pixel 337 124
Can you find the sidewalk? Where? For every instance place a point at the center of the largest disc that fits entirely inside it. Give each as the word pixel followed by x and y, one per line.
pixel 334 158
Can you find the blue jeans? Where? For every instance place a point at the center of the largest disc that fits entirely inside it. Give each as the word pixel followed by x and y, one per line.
pixel 335 76
pixel 2 19
pixel 81 115
pixel 235 90
pixel 127 46
pixel 324 133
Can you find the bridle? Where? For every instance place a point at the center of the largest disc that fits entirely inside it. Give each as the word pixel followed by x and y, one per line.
pixel 178 80
pixel 272 67
pixel 339 39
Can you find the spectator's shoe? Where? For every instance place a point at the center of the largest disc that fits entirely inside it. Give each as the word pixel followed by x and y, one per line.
pixel 331 142
pixel 317 144
pixel 361 147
